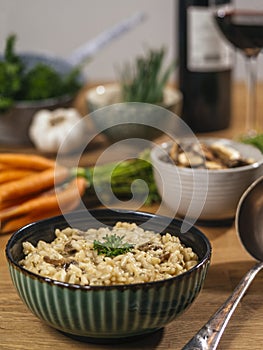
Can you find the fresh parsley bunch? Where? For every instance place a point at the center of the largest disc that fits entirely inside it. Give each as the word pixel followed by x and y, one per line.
pixel 11 70
pixel 42 81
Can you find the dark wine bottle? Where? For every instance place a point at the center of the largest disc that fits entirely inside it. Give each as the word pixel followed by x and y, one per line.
pixel 205 68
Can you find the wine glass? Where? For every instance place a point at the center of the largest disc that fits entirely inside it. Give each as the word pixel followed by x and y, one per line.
pixel 242 25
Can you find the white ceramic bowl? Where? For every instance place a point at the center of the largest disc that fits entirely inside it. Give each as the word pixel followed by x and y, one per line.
pixel 105 95
pixel 120 113
pixel 201 194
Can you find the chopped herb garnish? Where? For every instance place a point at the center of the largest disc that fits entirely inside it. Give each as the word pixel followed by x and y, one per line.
pixel 112 245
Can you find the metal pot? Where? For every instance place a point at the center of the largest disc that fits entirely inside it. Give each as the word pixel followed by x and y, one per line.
pixel 14 124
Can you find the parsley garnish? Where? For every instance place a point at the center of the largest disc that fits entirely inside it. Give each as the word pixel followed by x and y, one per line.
pixel 112 246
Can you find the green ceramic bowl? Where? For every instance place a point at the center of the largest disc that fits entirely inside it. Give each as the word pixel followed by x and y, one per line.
pixel 107 313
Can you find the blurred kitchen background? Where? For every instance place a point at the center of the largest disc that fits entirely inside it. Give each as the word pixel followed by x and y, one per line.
pixel 59 27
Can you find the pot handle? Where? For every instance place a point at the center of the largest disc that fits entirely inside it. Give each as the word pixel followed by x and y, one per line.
pixel 88 50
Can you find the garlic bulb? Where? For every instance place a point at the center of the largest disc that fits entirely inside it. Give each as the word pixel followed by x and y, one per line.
pixel 49 129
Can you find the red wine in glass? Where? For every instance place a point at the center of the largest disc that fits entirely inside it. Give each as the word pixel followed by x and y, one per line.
pixel 243 28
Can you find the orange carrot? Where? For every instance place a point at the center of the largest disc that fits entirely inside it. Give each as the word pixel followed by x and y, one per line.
pixel 15 224
pixel 4 166
pixel 28 161
pixel 13 174
pixel 14 202
pixel 32 184
pixel 44 206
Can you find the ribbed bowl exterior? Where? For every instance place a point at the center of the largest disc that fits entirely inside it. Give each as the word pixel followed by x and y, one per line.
pixel 207 195
pixel 109 312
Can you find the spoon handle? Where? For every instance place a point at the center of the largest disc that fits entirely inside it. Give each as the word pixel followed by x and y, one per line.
pixel 208 337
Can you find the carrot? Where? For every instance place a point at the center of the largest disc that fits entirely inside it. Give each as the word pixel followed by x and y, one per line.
pixel 32 184
pixel 4 167
pixel 44 206
pixel 28 161
pixel 15 224
pixel 14 174
pixel 13 203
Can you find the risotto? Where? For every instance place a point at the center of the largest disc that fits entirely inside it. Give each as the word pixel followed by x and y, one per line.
pixel 72 258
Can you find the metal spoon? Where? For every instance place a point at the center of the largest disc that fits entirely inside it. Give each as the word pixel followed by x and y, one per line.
pixel 249 219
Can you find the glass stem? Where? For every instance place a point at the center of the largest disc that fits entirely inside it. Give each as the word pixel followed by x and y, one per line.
pixel 252 124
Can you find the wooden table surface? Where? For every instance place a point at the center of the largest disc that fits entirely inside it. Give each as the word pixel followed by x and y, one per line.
pixel 19 329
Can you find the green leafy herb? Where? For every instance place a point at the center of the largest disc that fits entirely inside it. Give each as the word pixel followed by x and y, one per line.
pixel 11 68
pixel 112 245
pixel 256 141
pixel 145 80
pixel 37 83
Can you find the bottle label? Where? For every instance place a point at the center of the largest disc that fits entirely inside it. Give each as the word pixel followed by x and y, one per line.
pixel 207 49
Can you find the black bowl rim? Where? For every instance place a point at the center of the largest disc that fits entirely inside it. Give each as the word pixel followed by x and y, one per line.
pixel 204 261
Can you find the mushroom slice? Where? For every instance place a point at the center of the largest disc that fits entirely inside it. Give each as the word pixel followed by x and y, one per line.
pixel 174 152
pixel 228 155
pixel 190 159
pixel 208 154
pixel 211 165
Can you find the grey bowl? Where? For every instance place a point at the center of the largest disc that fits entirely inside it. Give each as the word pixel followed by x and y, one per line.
pixel 14 124
pixel 119 120
pixel 107 313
